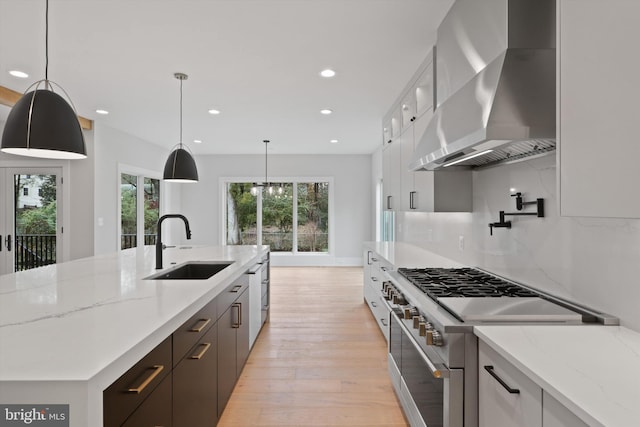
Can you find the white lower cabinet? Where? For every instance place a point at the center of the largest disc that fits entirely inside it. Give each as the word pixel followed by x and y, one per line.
pixel 555 414
pixel 506 397
pixel 372 289
pixel 509 398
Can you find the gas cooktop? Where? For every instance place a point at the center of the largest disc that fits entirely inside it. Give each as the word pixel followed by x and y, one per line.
pixel 471 295
pixel 462 282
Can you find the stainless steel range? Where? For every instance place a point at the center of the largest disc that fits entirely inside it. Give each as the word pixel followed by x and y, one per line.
pixel 432 348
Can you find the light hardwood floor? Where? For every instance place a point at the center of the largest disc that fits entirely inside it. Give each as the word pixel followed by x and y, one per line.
pixel 320 361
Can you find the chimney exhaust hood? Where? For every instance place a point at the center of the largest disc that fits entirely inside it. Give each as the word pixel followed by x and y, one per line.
pixel 507 110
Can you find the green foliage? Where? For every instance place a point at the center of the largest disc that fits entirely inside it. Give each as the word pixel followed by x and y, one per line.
pixel 37 221
pixel 245 205
pixel 277 209
pixel 48 189
pixel 128 210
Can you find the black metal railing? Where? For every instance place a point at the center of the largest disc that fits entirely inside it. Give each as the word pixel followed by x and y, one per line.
pixel 34 250
pixel 131 240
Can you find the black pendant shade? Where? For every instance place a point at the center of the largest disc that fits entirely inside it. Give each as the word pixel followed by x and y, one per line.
pixel 43 124
pixel 180 166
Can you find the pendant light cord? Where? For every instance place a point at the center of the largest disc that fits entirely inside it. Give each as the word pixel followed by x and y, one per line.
pixel 46 43
pixel 180 113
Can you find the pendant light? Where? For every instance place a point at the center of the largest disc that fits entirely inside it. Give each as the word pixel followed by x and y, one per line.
pixel 266 184
pixel 180 166
pixel 42 123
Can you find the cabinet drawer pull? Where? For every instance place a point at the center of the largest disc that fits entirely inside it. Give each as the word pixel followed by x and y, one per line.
pixel 202 325
pixel 206 346
pixel 384 322
pixel 237 324
pixel 236 289
pixel 374 279
pixel 373 304
pixel 489 369
pixel 156 371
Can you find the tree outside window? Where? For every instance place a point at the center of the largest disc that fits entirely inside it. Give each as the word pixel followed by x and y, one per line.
pixel 308 201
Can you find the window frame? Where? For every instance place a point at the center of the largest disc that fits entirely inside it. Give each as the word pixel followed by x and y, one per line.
pixel 295 180
pixel 141 174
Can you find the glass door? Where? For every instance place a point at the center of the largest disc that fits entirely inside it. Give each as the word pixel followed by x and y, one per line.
pixel 30 218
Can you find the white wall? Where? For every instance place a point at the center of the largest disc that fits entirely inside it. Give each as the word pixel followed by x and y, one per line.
pixel 202 203
pixel 590 261
pixel 115 148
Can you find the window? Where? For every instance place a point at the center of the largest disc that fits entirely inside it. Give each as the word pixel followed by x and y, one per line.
pixel 291 217
pixel 313 217
pixel 25 191
pixel 139 210
pixel 151 209
pixel 128 211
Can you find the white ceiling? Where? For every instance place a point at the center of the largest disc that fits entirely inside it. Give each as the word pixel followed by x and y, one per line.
pixel 257 61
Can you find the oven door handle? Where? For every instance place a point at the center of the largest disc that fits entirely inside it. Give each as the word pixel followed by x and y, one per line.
pixel 438 370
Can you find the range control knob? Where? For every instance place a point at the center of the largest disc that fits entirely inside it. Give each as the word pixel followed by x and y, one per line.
pixel 389 295
pixel 385 286
pixel 434 338
pixel 410 312
pixel 422 328
pixel 398 299
pixel 416 321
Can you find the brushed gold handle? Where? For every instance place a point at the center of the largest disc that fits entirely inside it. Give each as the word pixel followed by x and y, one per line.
pixel 202 326
pixel 206 346
pixel 156 371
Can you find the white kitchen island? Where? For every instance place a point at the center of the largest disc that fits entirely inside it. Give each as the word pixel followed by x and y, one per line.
pixel 68 331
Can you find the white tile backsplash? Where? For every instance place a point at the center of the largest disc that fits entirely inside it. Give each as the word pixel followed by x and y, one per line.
pixel 593 261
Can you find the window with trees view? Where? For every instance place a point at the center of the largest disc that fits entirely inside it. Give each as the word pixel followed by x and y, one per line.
pixel 36 217
pixel 139 204
pixel 291 217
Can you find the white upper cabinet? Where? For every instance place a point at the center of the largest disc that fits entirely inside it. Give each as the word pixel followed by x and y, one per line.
pixel 422 191
pixel 598 147
pixel 423 91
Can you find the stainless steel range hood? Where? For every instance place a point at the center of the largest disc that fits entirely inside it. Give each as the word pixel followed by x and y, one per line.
pixel 508 107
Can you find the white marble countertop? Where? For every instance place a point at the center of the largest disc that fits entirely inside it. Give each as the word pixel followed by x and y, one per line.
pixel 87 321
pixel 407 255
pixel 592 370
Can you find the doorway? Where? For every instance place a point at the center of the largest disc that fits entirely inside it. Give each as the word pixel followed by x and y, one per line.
pixel 30 218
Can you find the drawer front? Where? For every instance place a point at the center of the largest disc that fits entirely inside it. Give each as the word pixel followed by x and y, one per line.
pixel 195 384
pixel 507 397
pixel 155 410
pixel 233 291
pixel 192 330
pixel 134 386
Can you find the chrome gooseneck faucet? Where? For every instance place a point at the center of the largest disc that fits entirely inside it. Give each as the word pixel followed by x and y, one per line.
pixel 159 245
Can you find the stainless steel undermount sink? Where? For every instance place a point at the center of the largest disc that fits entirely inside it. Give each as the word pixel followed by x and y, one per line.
pixel 193 270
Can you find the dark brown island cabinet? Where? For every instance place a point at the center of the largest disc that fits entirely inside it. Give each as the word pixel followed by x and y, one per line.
pixel 186 381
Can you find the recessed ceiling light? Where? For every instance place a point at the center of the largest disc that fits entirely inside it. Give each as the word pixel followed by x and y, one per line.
pixel 327 73
pixel 214 112
pixel 326 111
pixel 334 141
pixel 197 141
pixel 19 74
pixel 103 112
